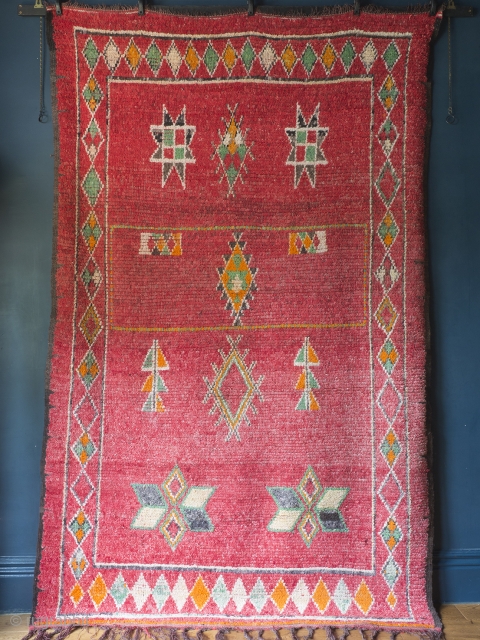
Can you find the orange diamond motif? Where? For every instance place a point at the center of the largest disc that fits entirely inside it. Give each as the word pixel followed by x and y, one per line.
pixel 76 594
pixel 288 58
pixel 98 591
pixel 363 597
pixel 320 596
pixel 280 595
pixel 328 57
pixel 229 57
pixel 133 56
pixel 192 59
pixel 392 600
pixel 200 594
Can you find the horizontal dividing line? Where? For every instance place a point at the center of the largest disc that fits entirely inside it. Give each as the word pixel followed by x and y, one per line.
pixel 24 566
pixel 345 225
pixel 240 327
pixel 17 566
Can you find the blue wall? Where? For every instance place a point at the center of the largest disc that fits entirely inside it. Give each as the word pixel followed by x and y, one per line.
pixel 26 200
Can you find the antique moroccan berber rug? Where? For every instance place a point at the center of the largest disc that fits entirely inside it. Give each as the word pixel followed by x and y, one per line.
pixel 236 433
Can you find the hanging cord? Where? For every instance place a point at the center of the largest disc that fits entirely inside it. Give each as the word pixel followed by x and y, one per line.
pixel 450 119
pixel 42 116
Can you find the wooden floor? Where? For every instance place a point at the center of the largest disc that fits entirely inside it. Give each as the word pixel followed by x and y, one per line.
pixel 461 622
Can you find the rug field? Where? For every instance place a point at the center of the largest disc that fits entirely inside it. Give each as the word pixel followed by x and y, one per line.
pixel 236 431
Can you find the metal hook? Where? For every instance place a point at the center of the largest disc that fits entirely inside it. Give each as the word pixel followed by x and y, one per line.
pixel 250 7
pixel 356 7
pixel 433 7
pixel 141 7
pixel 58 7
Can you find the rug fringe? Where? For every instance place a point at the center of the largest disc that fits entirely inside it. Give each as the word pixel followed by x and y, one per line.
pixel 187 633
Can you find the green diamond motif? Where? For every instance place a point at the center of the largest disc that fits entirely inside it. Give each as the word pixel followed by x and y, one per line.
pixel 309 58
pixel 391 534
pixel 88 369
pixel 80 526
pixel 388 93
pixel 92 140
pixel 388 356
pixel 232 174
pixel 210 58
pixel 91 53
pixel 391 55
pixel 92 186
pixel 119 590
pixel 258 595
pixel 248 55
pixel 348 55
pixel 91 231
pixel 92 94
pixel 84 448
pixel 390 448
pixel 388 230
pixel 161 592
pixel 153 56
pixel 220 594
pixel 390 572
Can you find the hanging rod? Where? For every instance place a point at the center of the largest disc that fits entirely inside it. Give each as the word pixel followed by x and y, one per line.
pixel 40 9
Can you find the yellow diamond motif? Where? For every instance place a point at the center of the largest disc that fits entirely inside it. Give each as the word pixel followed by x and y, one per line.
pixel 133 56
pixel 386 315
pixel 192 59
pixel 288 58
pixel 320 596
pixel 363 597
pixel 392 600
pixel 280 595
pixel 98 591
pixel 328 57
pixel 200 594
pixel 90 325
pixel 229 57
pixel 76 594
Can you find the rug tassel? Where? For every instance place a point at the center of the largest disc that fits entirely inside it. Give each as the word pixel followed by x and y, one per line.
pixel 221 634
pixel 329 633
pixel 277 634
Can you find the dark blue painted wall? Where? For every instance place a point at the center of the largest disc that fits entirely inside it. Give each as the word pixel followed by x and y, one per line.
pixel 26 198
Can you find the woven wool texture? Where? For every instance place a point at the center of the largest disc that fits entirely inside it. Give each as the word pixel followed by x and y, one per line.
pixel 236 433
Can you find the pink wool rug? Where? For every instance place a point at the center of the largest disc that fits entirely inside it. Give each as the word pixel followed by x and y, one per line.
pixel 236 436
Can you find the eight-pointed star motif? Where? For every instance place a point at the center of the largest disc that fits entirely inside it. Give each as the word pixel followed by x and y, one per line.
pixel 306 140
pixel 173 138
